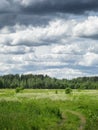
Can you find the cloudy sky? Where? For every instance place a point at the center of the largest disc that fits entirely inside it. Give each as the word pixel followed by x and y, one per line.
pixel 54 37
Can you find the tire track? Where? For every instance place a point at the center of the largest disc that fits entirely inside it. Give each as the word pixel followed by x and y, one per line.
pixel 81 117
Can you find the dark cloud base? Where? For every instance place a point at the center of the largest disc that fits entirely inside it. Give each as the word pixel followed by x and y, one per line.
pixel 38 12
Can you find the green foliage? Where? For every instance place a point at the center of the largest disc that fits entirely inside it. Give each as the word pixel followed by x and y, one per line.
pixel 68 90
pixel 56 91
pixel 45 82
pixel 18 89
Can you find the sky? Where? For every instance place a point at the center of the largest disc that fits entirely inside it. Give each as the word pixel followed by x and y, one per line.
pixel 54 37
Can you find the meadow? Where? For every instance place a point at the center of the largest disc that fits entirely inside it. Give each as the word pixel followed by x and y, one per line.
pixel 43 109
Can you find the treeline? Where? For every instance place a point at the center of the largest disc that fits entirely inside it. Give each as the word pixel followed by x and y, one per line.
pixel 46 82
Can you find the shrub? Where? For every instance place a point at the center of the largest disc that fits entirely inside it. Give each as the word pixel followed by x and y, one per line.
pixel 68 90
pixel 56 92
pixel 18 89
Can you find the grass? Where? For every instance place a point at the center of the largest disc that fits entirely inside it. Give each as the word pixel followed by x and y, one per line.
pixel 47 110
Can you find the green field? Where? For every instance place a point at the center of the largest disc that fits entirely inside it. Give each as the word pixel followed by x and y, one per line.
pixel 40 109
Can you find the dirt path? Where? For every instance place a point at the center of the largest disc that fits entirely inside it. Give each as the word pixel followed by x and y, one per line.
pixel 81 117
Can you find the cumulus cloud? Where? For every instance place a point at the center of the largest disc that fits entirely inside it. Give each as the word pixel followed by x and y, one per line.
pixel 60 73
pixel 16 50
pixel 89 59
pixel 56 32
pixel 74 49
pixel 33 36
pixel 87 28
pixel 53 37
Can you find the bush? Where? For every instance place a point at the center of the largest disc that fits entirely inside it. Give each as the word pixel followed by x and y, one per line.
pixel 56 92
pixel 68 90
pixel 18 89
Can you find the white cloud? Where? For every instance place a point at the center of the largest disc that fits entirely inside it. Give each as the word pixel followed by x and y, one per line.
pixel 15 50
pixel 93 48
pixel 89 59
pixel 60 73
pixel 73 48
pixel 57 31
pixel 35 36
pixel 88 27
pixel 55 49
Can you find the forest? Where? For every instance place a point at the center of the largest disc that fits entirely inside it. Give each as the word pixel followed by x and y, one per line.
pixel 45 82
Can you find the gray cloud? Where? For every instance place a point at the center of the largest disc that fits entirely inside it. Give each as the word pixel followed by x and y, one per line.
pixel 47 6
pixel 4 6
pixel 53 37
pixel 11 19
pixel 68 6
pixel 39 12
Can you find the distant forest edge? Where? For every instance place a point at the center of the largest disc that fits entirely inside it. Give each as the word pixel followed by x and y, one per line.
pixel 46 82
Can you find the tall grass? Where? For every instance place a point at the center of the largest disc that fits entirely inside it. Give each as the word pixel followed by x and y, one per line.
pixel 15 115
pixel 30 113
